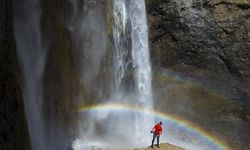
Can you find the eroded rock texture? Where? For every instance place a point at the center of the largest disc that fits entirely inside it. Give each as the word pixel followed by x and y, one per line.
pixel 201 57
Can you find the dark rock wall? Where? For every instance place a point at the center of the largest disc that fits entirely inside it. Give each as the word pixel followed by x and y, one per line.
pixel 13 127
pixel 212 36
pixel 199 48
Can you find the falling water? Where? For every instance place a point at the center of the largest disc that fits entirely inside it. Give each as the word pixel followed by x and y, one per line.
pixel 140 52
pixel 141 63
pixel 131 47
pixel 130 26
pixel 132 82
pixel 120 44
pixel 31 55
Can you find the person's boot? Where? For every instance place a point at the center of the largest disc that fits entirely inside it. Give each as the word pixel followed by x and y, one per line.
pixel 152 146
pixel 158 145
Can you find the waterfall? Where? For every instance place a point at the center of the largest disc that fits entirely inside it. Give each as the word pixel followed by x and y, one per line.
pixel 130 26
pixel 141 63
pixel 131 84
pixel 31 55
pixel 131 70
pixel 140 52
pixel 105 81
pixel 120 44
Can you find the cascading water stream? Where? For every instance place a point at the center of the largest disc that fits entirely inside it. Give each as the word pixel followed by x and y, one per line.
pixel 141 61
pixel 140 53
pixel 132 83
pixel 130 23
pixel 31 55
pixel 120 43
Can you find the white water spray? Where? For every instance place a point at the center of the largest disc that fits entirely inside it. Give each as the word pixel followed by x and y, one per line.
pixel 120 44
pixel 130 26
pixel 132 69
pixel 141 63
pixel 140 52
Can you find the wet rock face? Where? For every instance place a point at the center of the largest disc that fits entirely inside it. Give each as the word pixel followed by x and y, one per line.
pixel 205 39
pixel 205 42
pixel 13 127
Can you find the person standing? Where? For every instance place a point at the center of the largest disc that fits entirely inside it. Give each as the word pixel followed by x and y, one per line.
pixel 157 131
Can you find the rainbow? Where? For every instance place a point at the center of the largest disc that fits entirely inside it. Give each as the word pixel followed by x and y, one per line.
pixel 169 117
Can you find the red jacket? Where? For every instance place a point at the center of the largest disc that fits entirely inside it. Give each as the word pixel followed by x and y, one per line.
pixel 157 129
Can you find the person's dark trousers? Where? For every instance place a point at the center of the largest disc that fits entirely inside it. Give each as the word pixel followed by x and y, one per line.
pixel 158 137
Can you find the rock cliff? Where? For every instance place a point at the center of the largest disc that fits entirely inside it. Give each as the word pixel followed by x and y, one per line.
pixel 201 58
